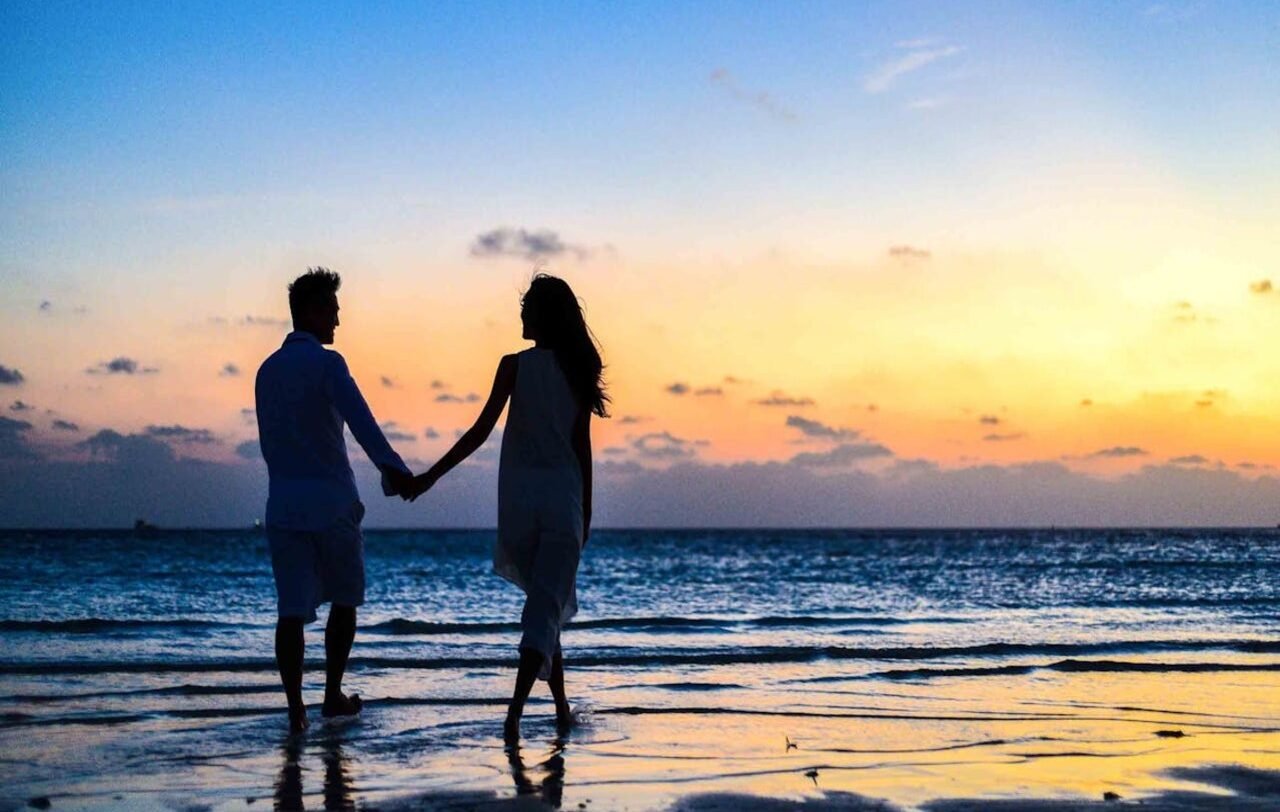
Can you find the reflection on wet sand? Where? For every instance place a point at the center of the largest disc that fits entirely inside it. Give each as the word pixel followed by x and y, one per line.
pixel 338 790
pixel 551 789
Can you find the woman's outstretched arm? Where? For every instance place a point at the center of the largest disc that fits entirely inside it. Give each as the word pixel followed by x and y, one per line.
pixel 582 448
pixel 504 380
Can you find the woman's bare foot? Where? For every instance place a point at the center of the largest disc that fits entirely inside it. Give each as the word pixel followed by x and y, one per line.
pixel 564 717
pixel 340 705
pixel 298 720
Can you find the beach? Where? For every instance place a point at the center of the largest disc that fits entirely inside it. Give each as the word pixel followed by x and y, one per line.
pixel 935 670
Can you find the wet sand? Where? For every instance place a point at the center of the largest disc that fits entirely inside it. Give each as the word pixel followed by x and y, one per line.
pixel 1053 742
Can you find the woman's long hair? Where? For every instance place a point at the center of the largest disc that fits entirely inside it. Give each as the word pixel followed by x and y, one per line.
pixel 554 318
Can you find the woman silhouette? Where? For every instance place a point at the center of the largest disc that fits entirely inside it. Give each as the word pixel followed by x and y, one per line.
pixel 544 477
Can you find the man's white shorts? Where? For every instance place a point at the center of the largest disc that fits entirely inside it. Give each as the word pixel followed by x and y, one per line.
pixel 315 567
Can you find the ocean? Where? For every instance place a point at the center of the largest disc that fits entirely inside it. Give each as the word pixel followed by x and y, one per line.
pixel 137 669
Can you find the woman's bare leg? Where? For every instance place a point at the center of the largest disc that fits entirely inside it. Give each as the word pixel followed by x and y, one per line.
pixel 564 713
pixel 530 664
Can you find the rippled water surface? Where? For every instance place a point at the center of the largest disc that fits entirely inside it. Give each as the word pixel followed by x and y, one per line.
pixel 104 635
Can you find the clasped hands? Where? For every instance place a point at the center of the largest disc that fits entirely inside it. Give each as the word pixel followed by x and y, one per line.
pixel 407 486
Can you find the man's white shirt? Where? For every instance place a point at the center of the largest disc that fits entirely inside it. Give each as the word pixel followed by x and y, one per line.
pixel 305 394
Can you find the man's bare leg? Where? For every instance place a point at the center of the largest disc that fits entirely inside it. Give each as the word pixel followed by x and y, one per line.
pixel 339 634
pixel 290 646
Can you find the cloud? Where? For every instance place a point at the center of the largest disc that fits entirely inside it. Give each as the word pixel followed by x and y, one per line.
pixel 128 449
pixel 137 476
pixel 909 253
pixel 1189 459
pixel 438 384
pixel 777 398
pixel 470 397
pixel 181 434
pixel 663 445
pixel 19 406
pixel 989 420
pixel 120 365
pixel 630 419
pixel 387 381
pixel 1086 402
pixel 391 430
pixel 1003 438
pixel 264 321
pixel 615 450
pixel 708 391
pixel 842 455
pixel 430 433
pixel 229 370
pixel 1120 451
pixel 10 377
pixel 916 57
pixel 759 99
pixel 538 244
pixel 814 428
pixel 677 388
pixel 248 415
pixel 45 306
pixel 249 450
pixel 65 425
pixel 1261 287
pixel 732 380
pixel 13 441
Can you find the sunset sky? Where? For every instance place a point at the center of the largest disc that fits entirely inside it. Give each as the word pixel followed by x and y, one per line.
pixel 872 263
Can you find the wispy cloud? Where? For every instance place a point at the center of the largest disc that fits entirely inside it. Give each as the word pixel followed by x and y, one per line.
pixel 918 54
pixel 909 253
pixel 20 406
pixel 392 431
pixel 664 445
pixel 819 430
pixel 1261 287
pixel 181 434
pixel 677 388
pixel 65 425
pixel 759 99
pixel 842 455
pixel 1120 451
pixel 120 365
pixel 229 370
pixel 1003 438
pixel 527 244
pixel 778 398
pixel 10 377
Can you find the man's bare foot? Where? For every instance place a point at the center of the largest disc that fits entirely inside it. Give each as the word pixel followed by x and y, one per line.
pixel 511 728
pixel 298 720
pixel 340 705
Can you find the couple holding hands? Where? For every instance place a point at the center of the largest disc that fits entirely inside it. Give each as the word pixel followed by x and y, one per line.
pixel 304 396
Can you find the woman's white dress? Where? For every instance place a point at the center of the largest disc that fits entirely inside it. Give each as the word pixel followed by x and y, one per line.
pixel 540 500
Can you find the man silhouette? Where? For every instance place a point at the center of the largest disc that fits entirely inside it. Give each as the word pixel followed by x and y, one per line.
pixel 304 395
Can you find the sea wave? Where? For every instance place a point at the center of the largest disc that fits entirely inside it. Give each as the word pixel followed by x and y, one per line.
pixel 650 657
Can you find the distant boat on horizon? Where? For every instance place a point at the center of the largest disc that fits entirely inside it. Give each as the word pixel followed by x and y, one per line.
pixel 142 527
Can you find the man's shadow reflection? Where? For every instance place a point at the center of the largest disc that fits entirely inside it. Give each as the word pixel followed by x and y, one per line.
pixel 339 794
pixel 551 789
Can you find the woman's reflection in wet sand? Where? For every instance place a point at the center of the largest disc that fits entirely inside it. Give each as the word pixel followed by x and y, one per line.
pixel 339 794
pixel 552 787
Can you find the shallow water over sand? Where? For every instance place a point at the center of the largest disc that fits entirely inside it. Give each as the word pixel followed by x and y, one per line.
pixel 903 666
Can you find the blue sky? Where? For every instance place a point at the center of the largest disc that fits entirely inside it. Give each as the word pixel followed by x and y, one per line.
pixel 941 210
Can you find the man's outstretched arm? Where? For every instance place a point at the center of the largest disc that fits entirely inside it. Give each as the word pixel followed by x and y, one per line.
pixel 355 412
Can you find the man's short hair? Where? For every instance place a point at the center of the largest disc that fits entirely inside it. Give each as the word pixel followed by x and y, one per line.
pixel 316 286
